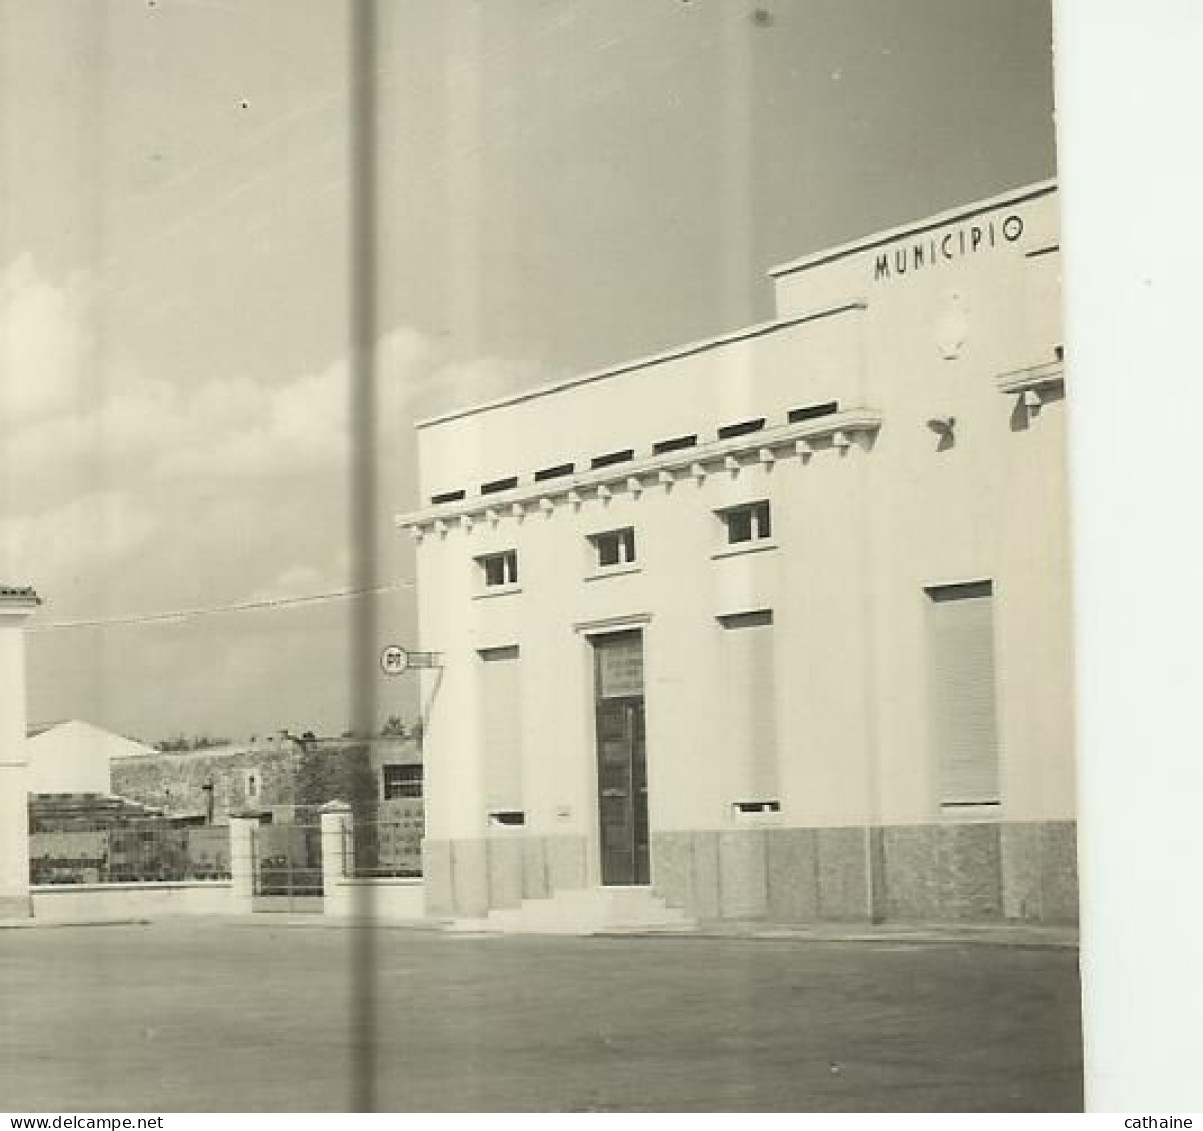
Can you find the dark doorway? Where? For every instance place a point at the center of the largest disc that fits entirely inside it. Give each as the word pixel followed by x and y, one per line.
pixel 621 758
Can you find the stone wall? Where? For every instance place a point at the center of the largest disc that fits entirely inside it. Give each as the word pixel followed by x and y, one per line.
pixel 288 774
pixel 175 782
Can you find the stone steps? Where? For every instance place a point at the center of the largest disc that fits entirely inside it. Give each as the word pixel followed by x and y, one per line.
pixel 586 911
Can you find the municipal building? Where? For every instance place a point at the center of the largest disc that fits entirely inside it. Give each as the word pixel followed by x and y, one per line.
pixel 771 626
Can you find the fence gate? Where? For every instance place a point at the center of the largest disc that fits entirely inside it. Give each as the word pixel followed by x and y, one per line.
pixel 288 868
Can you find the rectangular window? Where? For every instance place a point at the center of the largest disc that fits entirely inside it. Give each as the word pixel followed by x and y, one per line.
pixel 676 444
pixel 812 411
pixel 496 485
pixel 611 458
pixel 402 781
pixel 446 497
pixel 963 705
pixel 500 734
pixel 743 428
pixel 560 469
pixel 748 707
pixel 750 522
pixel 619 665
pixel 499 569
pixel 614 547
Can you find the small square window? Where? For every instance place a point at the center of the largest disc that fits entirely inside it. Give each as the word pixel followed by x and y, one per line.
pixel 614 547
pixel 499 569
pixel 750 522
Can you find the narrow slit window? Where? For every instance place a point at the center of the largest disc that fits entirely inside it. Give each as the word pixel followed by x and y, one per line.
pixel 556 472
pixel 611 458
pixel 492 487
pixel 676 444
pixel 447 497
pixel 743 428
pixel 812 411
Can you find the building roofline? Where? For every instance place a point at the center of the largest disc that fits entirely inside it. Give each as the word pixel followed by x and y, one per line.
pixel 757 330
pixel 914 227
pixel 19 596
pixel 795 436
pixel 38 729
pixel 269 745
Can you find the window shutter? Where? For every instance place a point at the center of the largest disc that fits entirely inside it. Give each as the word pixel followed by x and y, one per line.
pixel 963 695
pixel 749 694
pixel 501 728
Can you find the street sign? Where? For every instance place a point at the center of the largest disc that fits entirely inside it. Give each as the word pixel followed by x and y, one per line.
pixel 394 660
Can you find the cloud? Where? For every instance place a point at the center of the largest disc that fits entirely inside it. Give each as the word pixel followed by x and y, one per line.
pixel 462 383
pixel 126 492
pixel 112 526
pixel 299 580
pixel 227 487
pixel 46 341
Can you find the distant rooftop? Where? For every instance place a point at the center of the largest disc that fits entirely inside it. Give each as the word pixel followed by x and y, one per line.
pixel 21 593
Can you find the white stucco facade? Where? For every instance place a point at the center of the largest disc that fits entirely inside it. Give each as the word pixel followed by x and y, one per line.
pixel 903 420
pixel 16 605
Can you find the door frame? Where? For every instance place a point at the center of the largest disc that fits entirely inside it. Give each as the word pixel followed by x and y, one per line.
pixel 586 631
pixel 632 711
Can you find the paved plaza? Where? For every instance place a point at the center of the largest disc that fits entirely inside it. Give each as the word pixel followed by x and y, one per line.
pixel 261 1015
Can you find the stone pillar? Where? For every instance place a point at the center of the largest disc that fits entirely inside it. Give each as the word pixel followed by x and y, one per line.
pixel 338 857
pixel 15 607
pixel 242 859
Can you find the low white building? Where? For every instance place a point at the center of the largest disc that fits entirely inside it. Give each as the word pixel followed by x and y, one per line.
pixel 16 605
pixel 75 757
pixel 776 624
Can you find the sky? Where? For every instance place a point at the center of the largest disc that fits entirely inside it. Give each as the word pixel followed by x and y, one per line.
pixel 562 184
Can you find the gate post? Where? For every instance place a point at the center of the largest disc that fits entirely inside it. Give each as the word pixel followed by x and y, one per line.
pixel 338 857
pixel 16 605
pixel 242 860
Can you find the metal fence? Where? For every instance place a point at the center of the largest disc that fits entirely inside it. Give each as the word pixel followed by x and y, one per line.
pixel 288 861
pixel 136 853
pixel 388 848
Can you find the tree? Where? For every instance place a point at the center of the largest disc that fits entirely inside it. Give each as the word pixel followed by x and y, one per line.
pixel 394 727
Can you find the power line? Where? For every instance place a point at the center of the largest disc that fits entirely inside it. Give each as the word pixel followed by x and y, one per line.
pixel 178 615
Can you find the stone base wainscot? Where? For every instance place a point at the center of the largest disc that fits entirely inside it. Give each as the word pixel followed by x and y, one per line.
pixel 987 872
